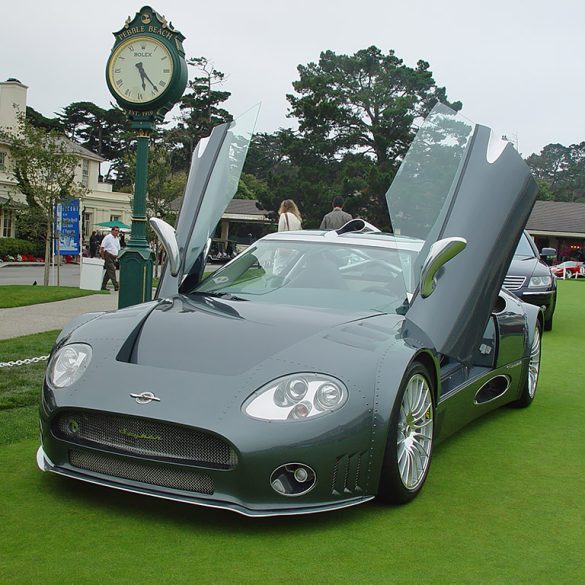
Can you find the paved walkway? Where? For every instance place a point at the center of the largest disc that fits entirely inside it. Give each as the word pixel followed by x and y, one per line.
pixel 48 316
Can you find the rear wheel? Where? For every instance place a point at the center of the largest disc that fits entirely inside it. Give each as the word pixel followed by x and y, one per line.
pixel 410 438
pixel 532 371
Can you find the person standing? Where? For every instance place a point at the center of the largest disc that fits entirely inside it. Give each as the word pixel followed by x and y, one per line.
pixel 290 216
pixel 109 250
pixel 336 218
pixel 94 244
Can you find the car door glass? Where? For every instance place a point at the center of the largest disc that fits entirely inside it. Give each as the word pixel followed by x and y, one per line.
pixel 222 184
pixel 420 195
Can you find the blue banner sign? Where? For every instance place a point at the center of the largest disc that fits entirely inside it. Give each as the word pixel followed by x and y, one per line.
pixel 67 228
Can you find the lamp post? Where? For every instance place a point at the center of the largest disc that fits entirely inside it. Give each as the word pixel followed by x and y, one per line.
pixel 147 74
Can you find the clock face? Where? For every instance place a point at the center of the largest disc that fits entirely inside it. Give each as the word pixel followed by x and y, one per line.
pixel 140 70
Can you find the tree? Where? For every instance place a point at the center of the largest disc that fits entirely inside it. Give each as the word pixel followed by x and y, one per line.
pixel 105 132
pixel 357 113
pixel 39 121
pixel 43 167
pixel 164 185
pixel 251 187
pixel 200 111
pixel 560 171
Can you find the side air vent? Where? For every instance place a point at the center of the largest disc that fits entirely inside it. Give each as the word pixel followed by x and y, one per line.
pixel 349 473
pixel 493 389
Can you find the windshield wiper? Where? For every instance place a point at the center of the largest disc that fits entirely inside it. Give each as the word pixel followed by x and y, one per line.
pixel 218 295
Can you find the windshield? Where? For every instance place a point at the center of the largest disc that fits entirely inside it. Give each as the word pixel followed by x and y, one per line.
pixel 420 195
pixel 314 274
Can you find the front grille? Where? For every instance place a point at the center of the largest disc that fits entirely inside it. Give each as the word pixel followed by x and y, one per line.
pixel 145 437
pixel 514 282
pixel 161 475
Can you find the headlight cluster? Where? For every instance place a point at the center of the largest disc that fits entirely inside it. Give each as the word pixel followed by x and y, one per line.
pixel 297 397
pixel 68 365
pixel 540 281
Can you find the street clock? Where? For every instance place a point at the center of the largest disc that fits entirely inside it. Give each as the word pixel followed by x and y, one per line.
pixel 147 75
pixel 146 71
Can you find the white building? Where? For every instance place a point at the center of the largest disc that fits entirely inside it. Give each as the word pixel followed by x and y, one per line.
pixel 99 205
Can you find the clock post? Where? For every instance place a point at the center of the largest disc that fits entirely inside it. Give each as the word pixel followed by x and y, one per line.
pixel 147 74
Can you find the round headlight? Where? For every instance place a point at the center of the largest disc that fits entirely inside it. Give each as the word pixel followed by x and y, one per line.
pixel 290 392
pixel 296 389
pixel 328 396
pixel 297 397
pixel 68 365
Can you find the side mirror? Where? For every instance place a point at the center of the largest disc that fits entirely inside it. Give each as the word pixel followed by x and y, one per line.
pixel 440 253
pixel 166 234
pixel 548 253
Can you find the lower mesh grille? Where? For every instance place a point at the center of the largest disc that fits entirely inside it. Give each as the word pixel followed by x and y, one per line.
pixel 160 475
pixel 144 437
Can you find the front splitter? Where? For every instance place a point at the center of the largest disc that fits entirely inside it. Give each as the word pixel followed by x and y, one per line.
pixel 45 464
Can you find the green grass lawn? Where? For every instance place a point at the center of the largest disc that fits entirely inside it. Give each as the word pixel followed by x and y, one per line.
pixel 20 385
pixel 21 295
pixel 504 504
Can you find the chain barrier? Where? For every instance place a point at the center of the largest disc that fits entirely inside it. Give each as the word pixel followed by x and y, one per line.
pixel 24 362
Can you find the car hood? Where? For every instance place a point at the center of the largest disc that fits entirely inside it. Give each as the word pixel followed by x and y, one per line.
pixel 527 267
pixel 226 337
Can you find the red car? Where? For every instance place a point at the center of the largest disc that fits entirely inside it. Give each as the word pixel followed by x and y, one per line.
pixel 569 269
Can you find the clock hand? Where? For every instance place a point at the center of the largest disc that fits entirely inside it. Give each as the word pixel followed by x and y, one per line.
pixel 142 74
pixel 145 76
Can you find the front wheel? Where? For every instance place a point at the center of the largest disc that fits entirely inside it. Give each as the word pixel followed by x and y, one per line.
pixel 410 438
pixel 532 371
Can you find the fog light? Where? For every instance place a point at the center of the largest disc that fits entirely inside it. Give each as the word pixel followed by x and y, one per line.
pixel 293 479
pixel 301 474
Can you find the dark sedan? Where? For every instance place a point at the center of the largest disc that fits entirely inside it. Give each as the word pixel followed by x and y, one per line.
pixel 530 279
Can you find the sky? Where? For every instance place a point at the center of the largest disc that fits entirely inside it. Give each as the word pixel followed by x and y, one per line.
pixel 517 66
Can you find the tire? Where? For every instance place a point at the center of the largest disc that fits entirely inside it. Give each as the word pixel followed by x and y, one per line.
pixel 408 453
pixel 532 371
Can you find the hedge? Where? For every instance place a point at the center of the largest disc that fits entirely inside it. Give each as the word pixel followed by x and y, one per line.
pixel 14 247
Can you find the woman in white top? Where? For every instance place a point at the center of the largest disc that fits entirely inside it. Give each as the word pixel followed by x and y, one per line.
pixel 290 217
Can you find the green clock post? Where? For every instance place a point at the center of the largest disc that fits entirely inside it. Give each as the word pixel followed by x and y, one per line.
pixel 147 74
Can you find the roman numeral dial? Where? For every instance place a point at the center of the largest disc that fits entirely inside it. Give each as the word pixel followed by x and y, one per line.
pixel 140 70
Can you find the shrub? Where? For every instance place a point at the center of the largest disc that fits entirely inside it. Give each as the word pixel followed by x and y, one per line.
pixel 10 248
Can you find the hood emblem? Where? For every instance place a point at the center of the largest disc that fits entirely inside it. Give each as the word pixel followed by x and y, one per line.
pixel 145 397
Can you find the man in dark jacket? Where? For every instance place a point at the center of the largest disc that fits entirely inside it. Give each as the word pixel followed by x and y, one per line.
pixel 94 244
pixel 336 218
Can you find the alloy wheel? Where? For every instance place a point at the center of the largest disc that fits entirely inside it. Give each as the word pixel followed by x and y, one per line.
pixel 415 432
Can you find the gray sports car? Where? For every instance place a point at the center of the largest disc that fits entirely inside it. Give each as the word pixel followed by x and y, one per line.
pixel 316 370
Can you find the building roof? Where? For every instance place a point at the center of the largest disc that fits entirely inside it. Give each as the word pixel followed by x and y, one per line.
pixel 557 218
pixel 245 207
pixel 82 151
pixel 237 209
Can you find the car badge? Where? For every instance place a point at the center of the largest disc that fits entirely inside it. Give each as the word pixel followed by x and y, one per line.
pixel 145 397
